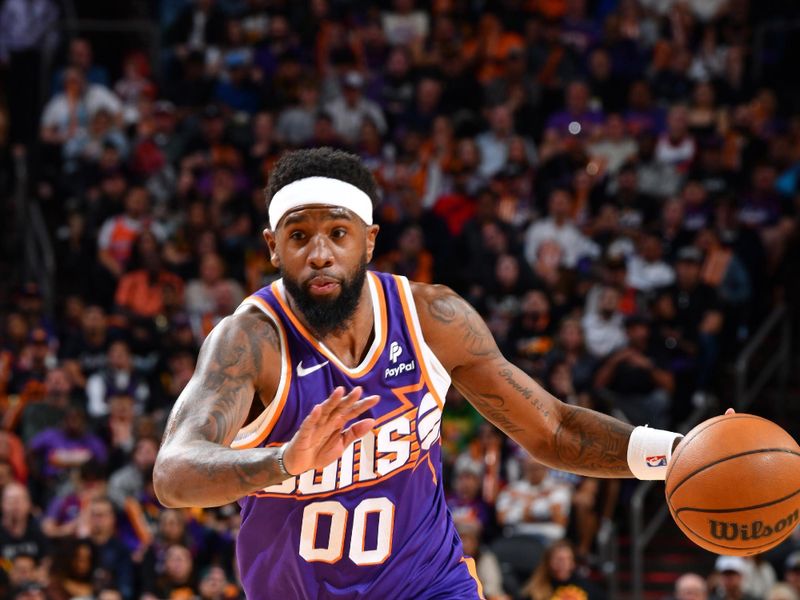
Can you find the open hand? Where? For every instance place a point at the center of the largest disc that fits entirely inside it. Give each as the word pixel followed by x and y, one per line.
pixel 321 438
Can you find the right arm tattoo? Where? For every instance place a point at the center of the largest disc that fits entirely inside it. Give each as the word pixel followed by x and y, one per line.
pixel 196 466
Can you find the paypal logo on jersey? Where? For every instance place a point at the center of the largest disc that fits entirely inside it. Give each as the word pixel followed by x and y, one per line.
pixel 395 350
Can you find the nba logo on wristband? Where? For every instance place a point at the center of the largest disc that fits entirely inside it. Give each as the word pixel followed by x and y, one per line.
pixel 656 461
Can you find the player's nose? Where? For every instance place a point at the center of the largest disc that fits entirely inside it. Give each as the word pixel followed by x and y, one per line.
pixel 320 254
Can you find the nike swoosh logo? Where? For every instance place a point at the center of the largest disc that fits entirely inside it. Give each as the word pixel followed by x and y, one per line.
pixel 301 372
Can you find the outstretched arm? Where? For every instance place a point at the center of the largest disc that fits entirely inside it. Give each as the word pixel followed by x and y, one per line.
pixel 197 467
pixel 562 436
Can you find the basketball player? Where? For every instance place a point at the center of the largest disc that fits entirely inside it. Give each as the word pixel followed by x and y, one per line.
pixel 339 472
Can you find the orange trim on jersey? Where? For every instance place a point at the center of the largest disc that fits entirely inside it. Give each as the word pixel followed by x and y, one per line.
pixel 406 404
pixel 473 571
pixel 416 341
pixel 257 431
pixel 430 464
pixel 375 351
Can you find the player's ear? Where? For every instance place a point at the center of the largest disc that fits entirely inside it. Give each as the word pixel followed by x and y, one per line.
pixel 372 233
pixel 269 237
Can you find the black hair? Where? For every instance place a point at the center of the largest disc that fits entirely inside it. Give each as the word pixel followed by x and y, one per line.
pixel 321 162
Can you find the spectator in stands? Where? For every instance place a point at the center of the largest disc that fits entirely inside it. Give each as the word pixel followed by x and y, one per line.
pixel 640 384
pixel 20 534
pixel 559 226
pixel 494 143
pixel 604 328
pixel 178 577
pixel 70 444
pixel 84 150
pixel 531 334
pixel 130 480
pixel 351 109
pixel 731 585
pixel 698 210
pixel 238 88
pixel 67 514
pixel 25 573
pixel 691 586
pixel 647 269
pixel 295 126
pixel 613 146
pixel 577 118
pixel 118 236
pixel 537 505
pixel 73 570
pixel 69 113
pixel 85 352
pixel 697 311
pixel 723 270
pixel 81 56
pixel 34 417
pixel 466 503
pixel 30 370
pixel 141 292
pixel 119 378
pixel 655 178
pixel 212 296
pixel 112 556
pixel 556 576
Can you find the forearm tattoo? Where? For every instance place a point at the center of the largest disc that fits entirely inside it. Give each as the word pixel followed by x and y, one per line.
pixel 592 443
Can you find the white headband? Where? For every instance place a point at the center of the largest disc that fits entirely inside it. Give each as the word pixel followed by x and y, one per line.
pixel 319 190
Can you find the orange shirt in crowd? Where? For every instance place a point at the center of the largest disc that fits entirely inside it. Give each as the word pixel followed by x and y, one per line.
pixel 143 296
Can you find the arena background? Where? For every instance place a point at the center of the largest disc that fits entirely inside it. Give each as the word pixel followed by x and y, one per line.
pixel 613 184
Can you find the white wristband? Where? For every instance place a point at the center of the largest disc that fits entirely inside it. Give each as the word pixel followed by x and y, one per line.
pixel 649 452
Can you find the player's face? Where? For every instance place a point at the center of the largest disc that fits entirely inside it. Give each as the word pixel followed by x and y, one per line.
pixel 322 254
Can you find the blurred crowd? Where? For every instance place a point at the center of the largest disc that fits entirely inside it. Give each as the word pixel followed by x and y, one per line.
pixel 613 184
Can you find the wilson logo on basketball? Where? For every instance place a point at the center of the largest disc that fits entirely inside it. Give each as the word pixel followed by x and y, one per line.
pixel 729 530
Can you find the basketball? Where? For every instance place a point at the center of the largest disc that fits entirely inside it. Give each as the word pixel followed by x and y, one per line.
pixel 733 484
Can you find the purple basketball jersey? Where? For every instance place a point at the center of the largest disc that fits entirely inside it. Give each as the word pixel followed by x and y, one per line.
pixel 374 523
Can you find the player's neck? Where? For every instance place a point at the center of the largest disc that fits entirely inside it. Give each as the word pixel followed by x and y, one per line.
pixel 351 342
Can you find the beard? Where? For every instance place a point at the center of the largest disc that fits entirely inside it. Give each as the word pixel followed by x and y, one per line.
pixel 333 315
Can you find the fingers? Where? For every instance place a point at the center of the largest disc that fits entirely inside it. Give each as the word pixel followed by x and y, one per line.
pixel 338 401
pixel 359 407
pixel 357 430
pixel 332 401
pixel 336 410
pixel 730 411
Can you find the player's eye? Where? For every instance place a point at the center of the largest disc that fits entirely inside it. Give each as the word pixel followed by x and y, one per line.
pixel 338 233
pixel 296 235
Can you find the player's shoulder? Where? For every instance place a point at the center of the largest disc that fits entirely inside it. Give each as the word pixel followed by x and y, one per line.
pixel 248 325
pixel 436 304
pixel 427 293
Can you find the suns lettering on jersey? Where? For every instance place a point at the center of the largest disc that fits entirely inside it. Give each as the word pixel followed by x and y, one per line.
pixel 402 442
